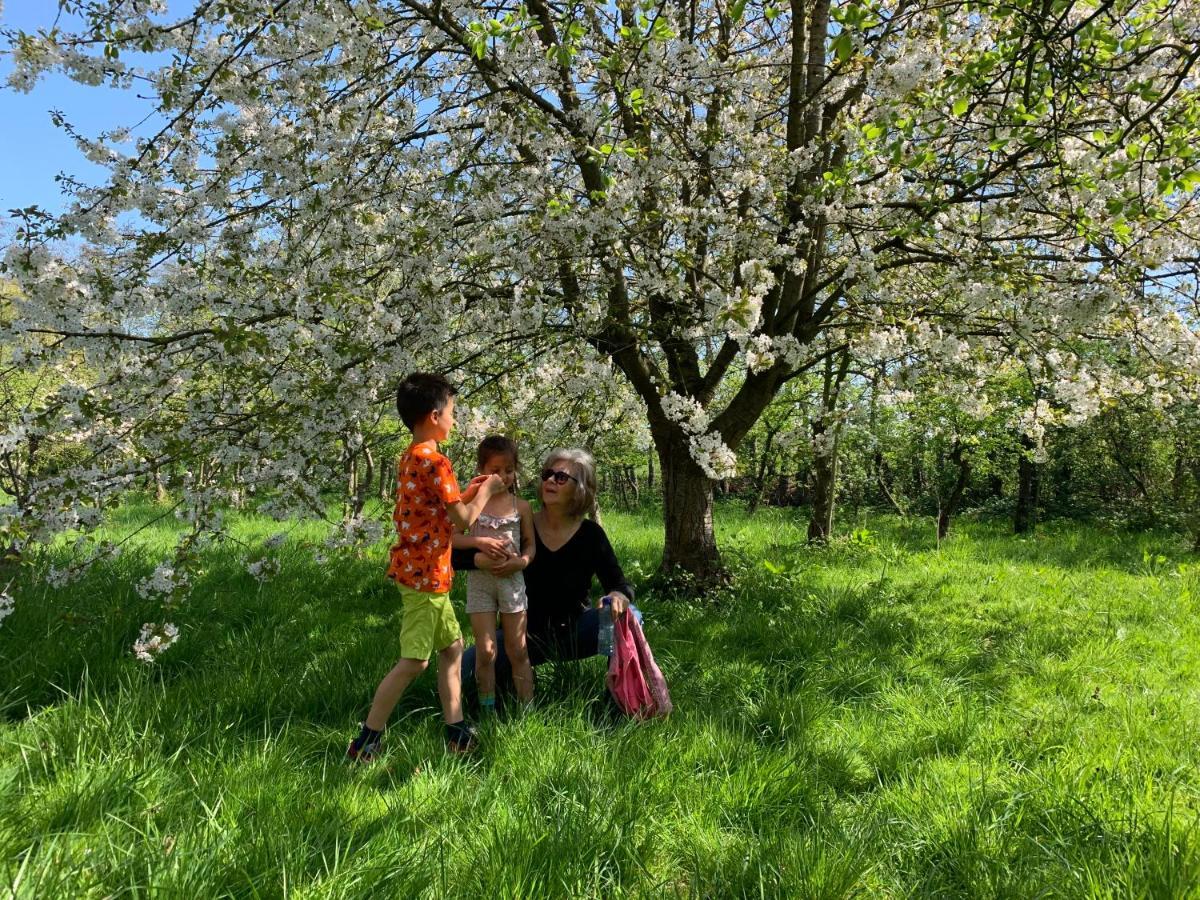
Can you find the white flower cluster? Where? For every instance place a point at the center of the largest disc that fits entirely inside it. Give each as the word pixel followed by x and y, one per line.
pixel 164 581
pixel 975 404
pixel 881 345
pixel 1032 422
pixel 860 268
pixel 357 531
pixel 6 605
pixel 687 412
pixel 742 311
pixel 264 569
pixel 711 455
pixel 475 425
pixel 154 640
pixel 824 442
pixel 764 351
pixel 759 355
pixel 10 440
pixel 707 448
pixel 1082 396
pixel 276 540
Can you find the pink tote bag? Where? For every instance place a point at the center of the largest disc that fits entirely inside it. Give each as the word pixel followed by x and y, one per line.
pixel 634 678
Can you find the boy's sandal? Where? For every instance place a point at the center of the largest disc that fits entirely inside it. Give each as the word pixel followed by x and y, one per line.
pixel 464 740
pixel 363 754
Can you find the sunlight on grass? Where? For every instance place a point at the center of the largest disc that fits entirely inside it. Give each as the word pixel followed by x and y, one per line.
pixel 996 716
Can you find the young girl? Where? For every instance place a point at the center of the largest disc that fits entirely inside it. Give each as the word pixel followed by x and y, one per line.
pixel 504 530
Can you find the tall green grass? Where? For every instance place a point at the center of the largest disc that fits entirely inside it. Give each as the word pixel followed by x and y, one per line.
pixel 994 717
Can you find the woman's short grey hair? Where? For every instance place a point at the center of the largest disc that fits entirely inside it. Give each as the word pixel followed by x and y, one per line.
pixel 585 470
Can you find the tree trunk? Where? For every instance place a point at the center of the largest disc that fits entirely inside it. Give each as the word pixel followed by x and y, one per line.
pixel 1025 515
pixel 650 473
pixel 824 491
pixel 760 479
pixel 826 438
pixel 691 543
pixel 365 480
pixel 946 513
pixel 881 477
pixel 160 485
pixel 350 468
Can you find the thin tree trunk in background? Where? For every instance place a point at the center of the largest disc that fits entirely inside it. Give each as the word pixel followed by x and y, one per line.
pixel 946 513
pixel 1179 473
pixel 365 480
pixel 350 474
pixel 650 472
pixel 826 444
pixel 160 485
pixel 824 490
pixel 760 480
pixel 1025 515
pixel 881 474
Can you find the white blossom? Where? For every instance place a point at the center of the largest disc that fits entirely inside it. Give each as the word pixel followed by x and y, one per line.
pixel 711 454
pixel 154 640
pixel 687 412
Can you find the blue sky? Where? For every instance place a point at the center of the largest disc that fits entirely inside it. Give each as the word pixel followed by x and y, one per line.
pixel 32 150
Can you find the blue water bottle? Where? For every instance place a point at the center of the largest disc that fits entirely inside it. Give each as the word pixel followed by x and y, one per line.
pixel 605 641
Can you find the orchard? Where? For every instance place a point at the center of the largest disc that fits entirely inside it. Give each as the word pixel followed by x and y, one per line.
pixel 861 307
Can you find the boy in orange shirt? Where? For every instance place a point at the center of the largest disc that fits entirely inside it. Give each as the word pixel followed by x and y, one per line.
pixel 429 509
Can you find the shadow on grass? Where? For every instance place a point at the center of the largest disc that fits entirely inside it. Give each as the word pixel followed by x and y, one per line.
pixel 815 701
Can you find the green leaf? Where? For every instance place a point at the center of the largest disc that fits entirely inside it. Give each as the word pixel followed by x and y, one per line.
pixel 871 132
pixel 637 100
pixel 735 12
pixel 843 46
pixel 960 106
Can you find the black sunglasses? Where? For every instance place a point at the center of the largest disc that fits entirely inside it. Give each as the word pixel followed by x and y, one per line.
pixel 559 476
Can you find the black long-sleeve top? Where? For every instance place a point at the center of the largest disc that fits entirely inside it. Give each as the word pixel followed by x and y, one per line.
pixel 557 582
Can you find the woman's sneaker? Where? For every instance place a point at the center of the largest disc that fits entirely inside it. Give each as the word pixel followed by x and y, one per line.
pixel 461 738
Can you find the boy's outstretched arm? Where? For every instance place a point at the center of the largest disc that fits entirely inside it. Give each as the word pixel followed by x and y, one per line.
pixel 464 513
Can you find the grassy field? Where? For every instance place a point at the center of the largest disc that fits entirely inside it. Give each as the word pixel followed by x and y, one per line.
pixel 995 717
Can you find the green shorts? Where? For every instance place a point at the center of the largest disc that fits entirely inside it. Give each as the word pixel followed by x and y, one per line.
pixel 428 623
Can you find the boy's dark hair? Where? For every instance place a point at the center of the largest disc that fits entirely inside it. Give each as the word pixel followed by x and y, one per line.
pixel 420 394
pixel 495 445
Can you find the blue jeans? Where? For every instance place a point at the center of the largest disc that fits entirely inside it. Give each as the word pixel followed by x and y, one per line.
pixel 583 644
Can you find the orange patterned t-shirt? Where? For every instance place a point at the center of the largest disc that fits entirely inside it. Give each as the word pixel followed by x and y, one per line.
pixel 425 485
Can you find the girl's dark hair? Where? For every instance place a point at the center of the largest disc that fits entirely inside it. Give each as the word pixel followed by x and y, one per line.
pixel 494 445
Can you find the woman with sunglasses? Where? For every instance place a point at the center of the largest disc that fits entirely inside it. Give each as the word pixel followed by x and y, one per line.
pixel 572 548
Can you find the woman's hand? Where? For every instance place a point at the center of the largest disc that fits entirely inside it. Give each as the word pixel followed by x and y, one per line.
pixel 493 547
pixel 619 603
